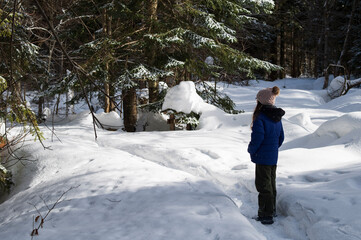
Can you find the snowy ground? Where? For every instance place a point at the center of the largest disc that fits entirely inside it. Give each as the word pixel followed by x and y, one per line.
pixel 196 184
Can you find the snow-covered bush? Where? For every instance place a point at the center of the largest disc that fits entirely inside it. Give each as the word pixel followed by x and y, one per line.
pixel 183 120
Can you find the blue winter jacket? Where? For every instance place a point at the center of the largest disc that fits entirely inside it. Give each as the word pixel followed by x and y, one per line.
pixel 267 136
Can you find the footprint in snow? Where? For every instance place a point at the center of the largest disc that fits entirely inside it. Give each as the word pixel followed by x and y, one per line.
pixel 210 154
pixel 240 167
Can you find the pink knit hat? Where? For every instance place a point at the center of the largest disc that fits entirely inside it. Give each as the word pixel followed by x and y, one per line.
pixel 268 96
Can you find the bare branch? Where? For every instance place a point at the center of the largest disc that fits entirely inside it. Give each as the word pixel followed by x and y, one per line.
pixel 80 18
pixel 42 218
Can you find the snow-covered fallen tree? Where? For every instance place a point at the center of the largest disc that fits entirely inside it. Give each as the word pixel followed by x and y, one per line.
pixel 340 86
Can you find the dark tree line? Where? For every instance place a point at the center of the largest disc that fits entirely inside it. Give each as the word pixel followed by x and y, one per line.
pixel 310 35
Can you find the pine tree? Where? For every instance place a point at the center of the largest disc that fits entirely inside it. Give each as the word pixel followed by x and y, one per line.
pixel 19 59
pixel 190 31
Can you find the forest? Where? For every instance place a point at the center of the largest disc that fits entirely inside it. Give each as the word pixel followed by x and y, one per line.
pixel 92 92
pixel 107 51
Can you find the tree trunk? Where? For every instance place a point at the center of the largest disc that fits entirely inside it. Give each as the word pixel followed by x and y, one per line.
pixel 61 75
pixel 152 19
pixel 153 91
pixel 129 109
pixel 69 106
pixel 297 55
pixel 326 22
pixel 294 54
pixel 281 52
pixel 107 31
pixel 326 34
pixel 276 23
pixel 153 5
pixel 107 92
pixel 40 107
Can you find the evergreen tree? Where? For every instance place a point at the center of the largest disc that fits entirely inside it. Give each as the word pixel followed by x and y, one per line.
pixel 190 31
pixel 19 65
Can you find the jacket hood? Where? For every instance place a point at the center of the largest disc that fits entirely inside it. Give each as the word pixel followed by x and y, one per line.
pixel 274 113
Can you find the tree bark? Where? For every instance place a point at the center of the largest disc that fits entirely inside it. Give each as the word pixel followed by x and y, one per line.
pixel 108 98
pixel 153 5
pixel 153 91
pixel 294 54
pixel 277 23
pixel 152 19
pixel 129 109
pixel 326 22
pixel 281 52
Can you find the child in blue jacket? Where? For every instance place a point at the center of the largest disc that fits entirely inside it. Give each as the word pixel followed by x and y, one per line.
pixel 267 136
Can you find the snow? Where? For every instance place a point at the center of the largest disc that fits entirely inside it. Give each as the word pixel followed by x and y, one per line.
pixel 2 126
pixel 350 124
pixel 336 87
pixel 209 60
pixel 183 98
pixel 110 120
pixel 194 184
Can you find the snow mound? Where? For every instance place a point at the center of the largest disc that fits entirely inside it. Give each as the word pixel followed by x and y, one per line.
pixel 183 98
pixel 341 126
pixel 318 83
pixel 110 120
pixel 150 121
pixel 351 102
pixel 343 130
pixel 317 207
pixel 83 119
pixel 303 120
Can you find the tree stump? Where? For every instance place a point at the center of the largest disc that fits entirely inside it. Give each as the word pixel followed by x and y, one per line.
pixel 171 122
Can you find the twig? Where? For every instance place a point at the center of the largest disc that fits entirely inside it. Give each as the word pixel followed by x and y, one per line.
pixel 41 218
pixel 52 130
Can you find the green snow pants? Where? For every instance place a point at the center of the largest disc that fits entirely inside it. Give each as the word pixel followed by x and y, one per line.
pixel 266 187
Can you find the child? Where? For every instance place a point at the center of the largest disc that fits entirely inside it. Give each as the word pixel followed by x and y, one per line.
pixel 267 136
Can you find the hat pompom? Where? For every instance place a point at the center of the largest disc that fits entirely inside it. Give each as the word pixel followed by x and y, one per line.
pixel 276 90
